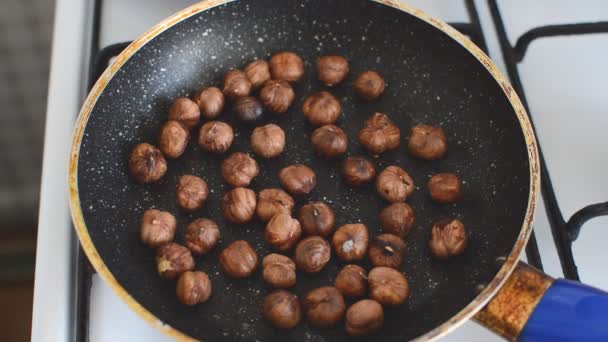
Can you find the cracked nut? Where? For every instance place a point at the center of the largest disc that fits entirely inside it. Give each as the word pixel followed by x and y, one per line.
pixel 257 73
pixel 394 184
pixel 215 137
pixel 157 227
pixel 173 139
pixel 324 306
pixel 387 286
pixel 239 169
pixel 312 254
pixel 282 309
pixel 277 96
pixel 298 179
pixel 202 235
pixel 321 108
pixel 397 219
pixel 193 288
pixel 192 192
pixel 352 281
pixel 238 205
pixel 172 260
pixel 236 84
pixel 387 250
pixel 268 141
pixel 445 187
pixel 317 218
pixel 332 70
pixel 364 317
pixel 272 202
pixel 282 232
pixel 379 134
pixel 185 111
pixel 358 171
pixel 350 241
pixel 448 238
pixel 329 141
pixel 210 102
pixel 427 142
pixel 369 85
pixel 286 66
pixel 247 109
pixel 147 163
pixel 279 271
pixel 239 259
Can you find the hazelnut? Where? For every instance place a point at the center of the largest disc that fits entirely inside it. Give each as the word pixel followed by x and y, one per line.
pixel 239 169
pixel 202 235
pixel 192 192
pixel 185 111
pixel 445 187
pixel 257 73
pixel 193 288
pixel 286 66
pixel 277 96
pixel 173 139
pixel 394 184
pixel 387 250
pixel 387 286
pixel 324 306
pixel 238 205
pixel 210 101
pixel 448 238
pixel 282 309
pixel 312 254
pixel 272 202
pixel 364 317
pixel 427 142
pixel 298 179
pixel 332 70
pixel 172 260
pixel 279 271
pixel 352 281
pixel 268 141
pixel 157 227
pixel 379 134
pixel 321 108
pixel 215 137
pixel 239 259
pixel 350 241
pixel 369 85
pixel 282 232
pixel 247 109
pixel 358 171
pixel 147 164
pixel 397 219
pixel 236 84
pixel 329 141
pixel 317 218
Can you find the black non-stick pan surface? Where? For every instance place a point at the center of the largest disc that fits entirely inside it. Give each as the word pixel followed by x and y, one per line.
pixel 430 79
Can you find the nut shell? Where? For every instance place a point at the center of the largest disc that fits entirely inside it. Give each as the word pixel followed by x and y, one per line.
pixel 192 192
pixel 352 281
pixel 282 309
pixel 257 73
pixel 427 142
pixel 297 179
pixel 236 84
pixel 358 171
pixel 210 102
pixel 350 241
pixel 282 232
pixel 239 205
pixel 369 85
pixel 268 141
pixel 317 218
pixel 277 96
pixel 387 286
pixel 172 260
pixel 379 134
pixel 173 139
pixel 247 109
pixel 445 187
pixel 272 202
pixel 239 169
pixel 394 184
pixel 364 317
pixel 332 70
pixel 215 137
pixel 239 259
pixel 324 307
pixel 193 288
pixel 185 111
pixel 329 141
pixel 312 254
pixel 321 108
pixel 279 271
pixel 202 235
pixel 286 66
pixel 397 219
pixel 157 227
pixel 448 238
pixel 387 250
pixel 147 164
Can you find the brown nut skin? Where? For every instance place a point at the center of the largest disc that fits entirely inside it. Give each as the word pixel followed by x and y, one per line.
pixel 317 218
pixel 215 137
pixel 185 111
pixel 238 205
pixel 387 286
pixel 358 171
pixel 172 260
pixel 192 193
pixel 272 202
pixel 286 66
pixel 282 232
pixel 193 288
pixel 445 187
pixel 364 317
pixel 321 108
pixel 297 179
pixel 352 281
pixel 239 259
pixel 369 85
pixel 202 235
pixel 279 271
pixel 394 184
pixel 324 307
pixel 157 228
pixel 379 134
pixel 387 250
pixel 239 169
pixel 282 309
pixel 329 141
pixel 312 254
pixel 147 163
pixel 397 219
pixel 427 142
pixel 247 109
pixel 236 84
pixel 268 141
pixel 350 241
pixel 332 70
pixel 210 102
pixel 173 139
pixel 448 238
pixel 277 96
pixel 257 72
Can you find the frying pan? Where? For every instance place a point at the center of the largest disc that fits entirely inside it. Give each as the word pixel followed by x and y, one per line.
pixel 434 75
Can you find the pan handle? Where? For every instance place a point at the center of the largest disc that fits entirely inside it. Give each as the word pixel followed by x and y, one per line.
pixel 532 306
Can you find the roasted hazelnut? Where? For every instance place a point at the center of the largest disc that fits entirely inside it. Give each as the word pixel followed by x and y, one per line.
pixel 448 238
pixel 173 139
pixel 202 235
pixel 268 141
pixel 298 179
pixel 286 66
pixel 397 219
pixel 394 184
pixel 282 309
pixel 387 286
pixel 427 142
pixel 358 170
pixel 257 72
pixel 329 141
pixel 210 102
pixel 317 218
pixel 282 232
pixel 172 260
pixel 239 169
pixel 379 134
pixel 192 192
pixel 321 108
pixel 238 205
pixel 239 259
pixel 332 70
pixel 272 202
pixel 324 306
pixel 352 281
pixel 185 111
pixel 236 84
pixel 247 109
pixel 157 227
pixel 312 254
pixel 350 241
pixel 445 187
pixel 215 137
pixel 279 271
pixel 369 85
pixel 147 164
pixel 277 96
pixel 193 288
pixel 364 317
pixel 387 250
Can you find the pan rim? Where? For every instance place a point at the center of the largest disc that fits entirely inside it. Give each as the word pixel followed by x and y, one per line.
pixel 441 330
